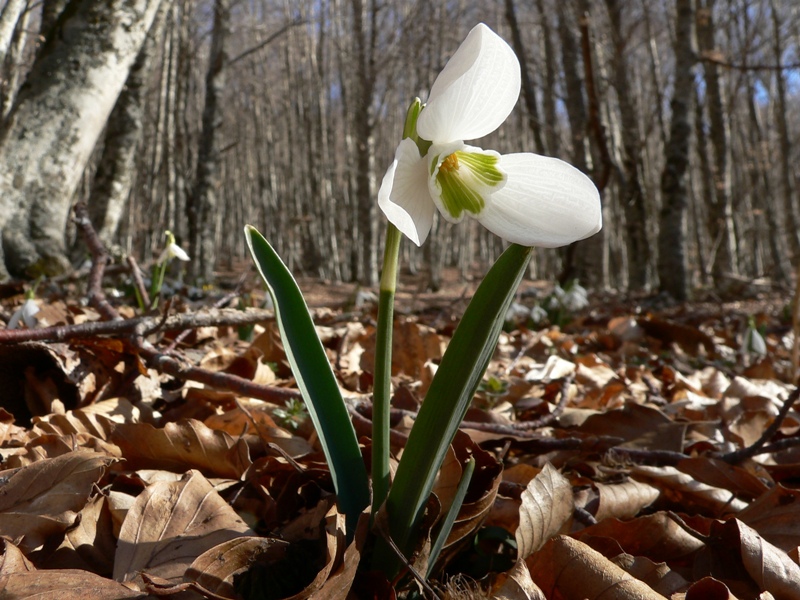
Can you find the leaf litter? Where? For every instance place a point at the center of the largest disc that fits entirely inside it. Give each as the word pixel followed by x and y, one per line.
pixel 635 451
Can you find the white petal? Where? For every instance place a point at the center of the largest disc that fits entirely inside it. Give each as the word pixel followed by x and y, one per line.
pixel 29 310
pixel 475 92
pixel 177 252
pixel 404 197
pixel 545 202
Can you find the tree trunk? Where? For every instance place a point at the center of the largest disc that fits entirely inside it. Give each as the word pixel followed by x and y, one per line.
pixel 631 187
pixel 367 265
pixel 11 49
pixel 528 91
pixel 720 212
pixel 672 268
pixel 202 207
pixel 116 167
pixel 9 17
pixel 61 110
pixel 788 194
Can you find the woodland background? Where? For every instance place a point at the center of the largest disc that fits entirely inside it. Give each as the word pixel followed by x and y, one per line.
pixel 285 114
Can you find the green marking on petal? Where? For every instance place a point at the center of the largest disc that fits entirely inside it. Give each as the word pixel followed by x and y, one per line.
pixel 465 179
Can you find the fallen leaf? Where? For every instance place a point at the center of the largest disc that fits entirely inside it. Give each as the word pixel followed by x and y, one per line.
pixel 547 506
pixel 63 584
pixel 43 498
pixel 566 568
pixel 170 524
pixel 181 446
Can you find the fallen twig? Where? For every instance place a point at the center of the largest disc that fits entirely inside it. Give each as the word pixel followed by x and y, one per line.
pixel 756 448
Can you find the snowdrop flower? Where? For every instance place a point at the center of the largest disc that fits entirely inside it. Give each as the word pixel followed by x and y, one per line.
pixel 538 314
pixel 575 298
pixel 524 198
pixel 172 250
pixel 753 342
pixel 517 313
pixel 25 314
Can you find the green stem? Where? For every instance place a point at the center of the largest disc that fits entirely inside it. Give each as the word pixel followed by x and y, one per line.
pixel 382 387
pixel 158 282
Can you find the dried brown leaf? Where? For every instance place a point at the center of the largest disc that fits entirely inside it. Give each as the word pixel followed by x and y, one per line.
pixel 682 490
pixel 43 498
pixel 516 584
pixel 640 426
pixel 180 446
pixel 623 500
pixel 566 568
pixel 656 536
pixel 91 543
pixel 547 505
pixel 770 567
pixel 658 576
pixel 13 560
pixel 709 588
pixel 63 584
pixel 170 524
pixel 776 517
pixel 214 570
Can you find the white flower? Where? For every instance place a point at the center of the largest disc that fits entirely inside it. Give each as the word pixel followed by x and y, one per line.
pixel 517 313
pixel 173 251
pixel 524 198
pixel 25 314
pixel 538 314
pixel 575 298
pixel 754 342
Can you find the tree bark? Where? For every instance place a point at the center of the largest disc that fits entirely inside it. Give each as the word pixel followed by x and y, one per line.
pixel 116 168
pixel 9 17
pixel 672 268
pixel 631 188
pixel 366 247
pixel 11 49
pixel 528 91
pixel 203 205
pixel 720 212
pixel 788 194
pixel 61 110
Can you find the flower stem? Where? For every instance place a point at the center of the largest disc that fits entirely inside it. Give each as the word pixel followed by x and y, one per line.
pixel 382 388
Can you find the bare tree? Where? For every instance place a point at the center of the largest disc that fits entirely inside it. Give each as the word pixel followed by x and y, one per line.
pixel 720 212
pixel 631 187
pixel 201 209
pixel 672 267
pixel 60 112
pixel 115 172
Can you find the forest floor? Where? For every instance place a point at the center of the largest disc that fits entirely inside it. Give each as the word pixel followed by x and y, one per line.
pixel 630 445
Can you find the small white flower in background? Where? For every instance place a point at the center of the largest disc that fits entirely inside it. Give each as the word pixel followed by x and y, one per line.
pixel 365 297
pixel 524 198
pixel 25 314
pixel 172 250
pixel 538 314
pixel 575 297
pixel 517 313
pixel 753 342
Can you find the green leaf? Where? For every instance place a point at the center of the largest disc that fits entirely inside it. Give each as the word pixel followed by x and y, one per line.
pixel 315 379
pixel 450 395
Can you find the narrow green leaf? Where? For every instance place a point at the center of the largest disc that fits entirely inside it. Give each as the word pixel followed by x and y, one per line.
pixel 450 517
pixel 315 379
pixel 450 394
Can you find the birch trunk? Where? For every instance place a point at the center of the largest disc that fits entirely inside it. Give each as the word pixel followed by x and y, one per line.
pixel 61 110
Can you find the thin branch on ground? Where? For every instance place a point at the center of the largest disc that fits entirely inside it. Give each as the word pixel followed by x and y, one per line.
pixel 738 456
